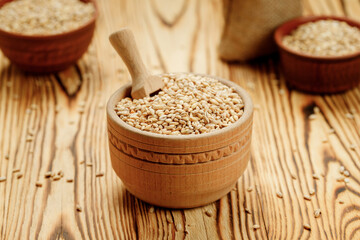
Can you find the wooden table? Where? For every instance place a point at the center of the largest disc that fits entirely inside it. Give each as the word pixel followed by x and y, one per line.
pixel 287 147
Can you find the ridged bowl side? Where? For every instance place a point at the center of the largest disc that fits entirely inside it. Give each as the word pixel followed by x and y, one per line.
pixel 180 186
pixel 317 74
pixel 48 53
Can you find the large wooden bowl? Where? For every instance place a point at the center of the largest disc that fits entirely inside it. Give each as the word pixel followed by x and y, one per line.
pixel 316 74
pixel 180 171
pixel 47 53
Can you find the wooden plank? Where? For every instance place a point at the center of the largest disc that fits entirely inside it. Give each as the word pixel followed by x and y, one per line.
pixel 69 127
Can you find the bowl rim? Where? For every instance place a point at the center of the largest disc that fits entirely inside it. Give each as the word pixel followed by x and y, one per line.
pixel 296 22
pixel 248 111
pixel 54 36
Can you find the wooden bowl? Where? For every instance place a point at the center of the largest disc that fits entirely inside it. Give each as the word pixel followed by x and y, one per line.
pixel 316 74
pixel 47 53
pixel 180 171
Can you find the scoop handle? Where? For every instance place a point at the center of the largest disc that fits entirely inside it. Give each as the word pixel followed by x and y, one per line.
pixel 124 43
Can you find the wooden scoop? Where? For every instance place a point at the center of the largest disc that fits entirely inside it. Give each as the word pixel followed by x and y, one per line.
pixel 143 84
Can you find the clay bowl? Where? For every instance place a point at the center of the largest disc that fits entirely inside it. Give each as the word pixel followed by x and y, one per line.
pixel 47 53
pixel 179 171
pixel 317 74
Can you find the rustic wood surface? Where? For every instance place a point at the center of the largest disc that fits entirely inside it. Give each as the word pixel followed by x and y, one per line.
pixel 65 113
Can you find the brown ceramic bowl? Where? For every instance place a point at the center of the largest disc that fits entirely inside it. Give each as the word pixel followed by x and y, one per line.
pixel 48 53
pixel 180 171
pixel 317 74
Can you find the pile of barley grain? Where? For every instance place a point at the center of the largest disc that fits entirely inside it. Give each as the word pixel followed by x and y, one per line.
pixel 324 38
pixel 44 17
pixel 187 104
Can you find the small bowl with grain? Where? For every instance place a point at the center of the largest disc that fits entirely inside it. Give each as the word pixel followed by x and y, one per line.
pixel 185 147
pixel 46 35
pixel 320 54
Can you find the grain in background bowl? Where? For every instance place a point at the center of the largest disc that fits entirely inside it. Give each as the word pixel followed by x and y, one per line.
pixel 317 74
pixel 47 53
pixel 179 171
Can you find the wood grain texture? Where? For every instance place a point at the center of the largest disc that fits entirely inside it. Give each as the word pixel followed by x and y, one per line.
pixel 69 126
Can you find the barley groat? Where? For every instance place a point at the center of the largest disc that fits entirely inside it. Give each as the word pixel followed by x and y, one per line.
pixel 187 104
pixel 324 38
pixel 44 17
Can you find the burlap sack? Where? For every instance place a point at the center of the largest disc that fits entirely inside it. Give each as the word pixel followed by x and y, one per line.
pixel 250 24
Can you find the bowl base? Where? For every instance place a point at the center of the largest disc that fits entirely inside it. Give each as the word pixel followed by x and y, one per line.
pixel 185 202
